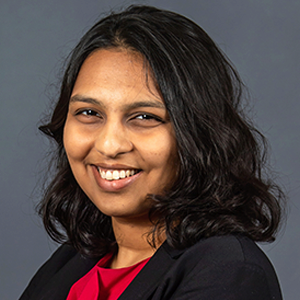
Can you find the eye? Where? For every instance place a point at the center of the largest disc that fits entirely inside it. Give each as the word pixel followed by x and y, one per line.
pixel 88 116
pixel 88 112
pixel 148 117
pixel 145 120
pixel 145 117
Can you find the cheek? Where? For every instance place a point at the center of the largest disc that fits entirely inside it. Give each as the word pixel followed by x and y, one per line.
pixel 169 159
pixel 160 152
pixel 76 143
pixel 163 167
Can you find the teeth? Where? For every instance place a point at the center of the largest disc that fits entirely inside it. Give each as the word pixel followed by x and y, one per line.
pixel 109 175
pixel 115 175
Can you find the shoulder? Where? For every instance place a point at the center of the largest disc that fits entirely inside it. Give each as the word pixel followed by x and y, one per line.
pixel 222 250
pixel 65 266
pixel 229 249
pixel 223 267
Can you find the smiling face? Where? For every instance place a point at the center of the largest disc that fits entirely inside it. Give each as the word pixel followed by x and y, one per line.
pixel 118 137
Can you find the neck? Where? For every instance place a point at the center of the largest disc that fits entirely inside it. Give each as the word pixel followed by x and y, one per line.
pixel 132 239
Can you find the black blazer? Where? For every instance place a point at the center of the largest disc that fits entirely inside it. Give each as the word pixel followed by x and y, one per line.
pixel 217 268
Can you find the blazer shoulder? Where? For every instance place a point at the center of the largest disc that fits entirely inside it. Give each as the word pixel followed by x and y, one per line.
pixel 233 253
pixel 233 249
pixel 220 267
pixel 57 261
pixel 230 248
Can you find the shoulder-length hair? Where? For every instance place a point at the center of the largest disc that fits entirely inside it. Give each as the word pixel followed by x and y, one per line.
pixel 220 188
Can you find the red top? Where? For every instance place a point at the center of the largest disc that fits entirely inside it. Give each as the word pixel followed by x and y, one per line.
pixel 103 283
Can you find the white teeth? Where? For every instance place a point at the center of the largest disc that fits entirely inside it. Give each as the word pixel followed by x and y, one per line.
pixel 115 175
pixel 109 175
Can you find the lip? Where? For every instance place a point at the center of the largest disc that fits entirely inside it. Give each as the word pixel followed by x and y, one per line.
pixel 113 185
pixel 114 167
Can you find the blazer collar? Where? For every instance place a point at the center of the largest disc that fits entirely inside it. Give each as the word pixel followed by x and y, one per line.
pixel 58 286
pixel 140 288
pixel 144 283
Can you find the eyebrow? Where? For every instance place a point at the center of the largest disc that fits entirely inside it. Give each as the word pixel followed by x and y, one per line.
pixel 146 103
pixel 138 104
pixel 88 100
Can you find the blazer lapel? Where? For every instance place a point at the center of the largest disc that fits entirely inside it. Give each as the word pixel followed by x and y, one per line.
pixel 144 284
pixel 59 285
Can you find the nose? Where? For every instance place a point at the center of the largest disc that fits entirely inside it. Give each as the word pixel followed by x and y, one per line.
pixel 113 140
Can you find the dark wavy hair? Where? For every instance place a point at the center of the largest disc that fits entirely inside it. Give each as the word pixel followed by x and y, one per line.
pixel 220 188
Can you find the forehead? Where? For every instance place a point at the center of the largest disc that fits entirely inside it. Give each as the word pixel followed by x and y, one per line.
pixel 116 71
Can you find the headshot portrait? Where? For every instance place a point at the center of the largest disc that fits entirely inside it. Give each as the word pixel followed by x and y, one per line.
pixel 150 150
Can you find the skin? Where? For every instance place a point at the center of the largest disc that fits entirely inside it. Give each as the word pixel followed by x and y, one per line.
pixel 118 121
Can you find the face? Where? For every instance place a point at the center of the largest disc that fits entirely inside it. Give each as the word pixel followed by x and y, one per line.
pixel 118 137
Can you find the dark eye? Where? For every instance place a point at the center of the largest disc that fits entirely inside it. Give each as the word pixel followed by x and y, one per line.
pixel 146 117
pixel 88 112
pixel 89 116
pixel 145 120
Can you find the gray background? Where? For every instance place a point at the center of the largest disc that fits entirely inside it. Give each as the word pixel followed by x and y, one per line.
pixel 261 37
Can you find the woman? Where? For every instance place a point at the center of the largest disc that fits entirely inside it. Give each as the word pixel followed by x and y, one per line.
pixel 158 192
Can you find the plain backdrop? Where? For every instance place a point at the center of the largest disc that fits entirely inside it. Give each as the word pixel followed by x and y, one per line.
pixel 262 39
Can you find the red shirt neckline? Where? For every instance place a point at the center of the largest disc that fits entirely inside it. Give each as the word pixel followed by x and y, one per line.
pixel 103 282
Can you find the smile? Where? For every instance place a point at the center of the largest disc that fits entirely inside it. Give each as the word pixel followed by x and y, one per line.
pixel 116 174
